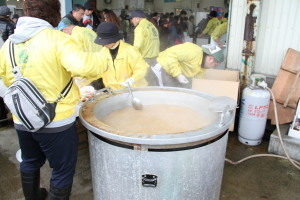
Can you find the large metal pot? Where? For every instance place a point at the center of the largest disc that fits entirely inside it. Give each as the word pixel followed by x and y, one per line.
pixel 177 166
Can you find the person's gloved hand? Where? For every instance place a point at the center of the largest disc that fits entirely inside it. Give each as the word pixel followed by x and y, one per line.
pixel 182 79
pixel 157 67
pixel 129 80
pixel 86 92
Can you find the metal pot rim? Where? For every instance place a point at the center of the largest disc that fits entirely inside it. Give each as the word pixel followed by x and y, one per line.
pixel 164 139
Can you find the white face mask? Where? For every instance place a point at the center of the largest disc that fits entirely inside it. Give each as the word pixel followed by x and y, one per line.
pixel 115 45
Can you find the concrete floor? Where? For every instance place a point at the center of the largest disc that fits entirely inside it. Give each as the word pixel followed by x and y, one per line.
pixel 255 179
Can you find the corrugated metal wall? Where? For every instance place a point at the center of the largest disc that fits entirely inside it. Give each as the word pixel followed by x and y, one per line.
pixel 278 30
pixel 237 14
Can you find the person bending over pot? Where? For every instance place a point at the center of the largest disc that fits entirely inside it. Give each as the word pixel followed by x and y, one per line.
pixel 177 65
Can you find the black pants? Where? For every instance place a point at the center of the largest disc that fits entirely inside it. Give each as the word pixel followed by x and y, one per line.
pixel 3 111
pixel 60 149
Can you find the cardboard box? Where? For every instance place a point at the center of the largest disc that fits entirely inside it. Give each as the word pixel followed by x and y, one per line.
pixel 219 83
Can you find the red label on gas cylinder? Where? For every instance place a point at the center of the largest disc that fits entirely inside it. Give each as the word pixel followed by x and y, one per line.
pixel 260 111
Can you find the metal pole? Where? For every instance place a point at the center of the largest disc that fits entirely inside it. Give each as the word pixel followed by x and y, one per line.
pixel 250 35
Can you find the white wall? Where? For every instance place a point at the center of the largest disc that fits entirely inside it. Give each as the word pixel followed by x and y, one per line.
pixel 120 4
pixel 160 5
pixel 113 5
pixel 18 4
pixel 237 14
pixel 63 11
pixel 279 29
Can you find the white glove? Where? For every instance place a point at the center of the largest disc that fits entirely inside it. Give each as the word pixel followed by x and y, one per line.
pixel 129 80
pixel 86 92
pixel 157 67
pixel 182 79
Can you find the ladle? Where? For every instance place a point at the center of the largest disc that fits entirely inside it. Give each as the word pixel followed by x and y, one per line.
pixel 136 103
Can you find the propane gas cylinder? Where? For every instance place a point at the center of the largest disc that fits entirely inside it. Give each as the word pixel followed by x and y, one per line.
pixel 254 112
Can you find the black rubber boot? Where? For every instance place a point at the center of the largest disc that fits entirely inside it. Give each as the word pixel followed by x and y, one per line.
pixel 31 186
pixel 60 193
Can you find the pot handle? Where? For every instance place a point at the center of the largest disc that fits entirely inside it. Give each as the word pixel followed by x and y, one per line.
pixel 149 180
pixel 106 90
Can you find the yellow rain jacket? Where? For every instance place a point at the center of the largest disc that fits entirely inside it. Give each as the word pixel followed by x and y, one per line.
pixel 49 60
pixel 183 59
pixel 223 20
pixel 128 63
pixel 211 25
pixel 146 39
pixel 84 38
pixel 219 31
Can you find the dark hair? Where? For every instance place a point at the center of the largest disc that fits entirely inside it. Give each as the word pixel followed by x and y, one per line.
pixel 77 7
pixel 110 16
pixel 123 17
pixel 213 13
pixel 176 25
pixel 183 12
pixel 163 21
pixel 183 23
pixel 88 6
pixel 154 14
pixel 48 10
pixel 105 10
pixel 15 16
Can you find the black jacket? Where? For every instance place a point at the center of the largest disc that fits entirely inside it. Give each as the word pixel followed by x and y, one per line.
pixel 6 28
pixel 96 21
pixel 73 20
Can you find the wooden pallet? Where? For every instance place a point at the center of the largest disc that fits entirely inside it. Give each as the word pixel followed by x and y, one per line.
pixel 285 114
pixel 286 88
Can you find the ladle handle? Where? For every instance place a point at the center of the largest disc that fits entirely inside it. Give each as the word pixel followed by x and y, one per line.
pixel 98 92
pixel 130 89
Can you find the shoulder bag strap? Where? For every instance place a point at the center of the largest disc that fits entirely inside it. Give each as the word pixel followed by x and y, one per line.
pixel 65 91
pixel 11 54
pixel 15 69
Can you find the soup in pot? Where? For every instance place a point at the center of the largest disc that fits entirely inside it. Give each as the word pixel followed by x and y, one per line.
pixel 156 119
